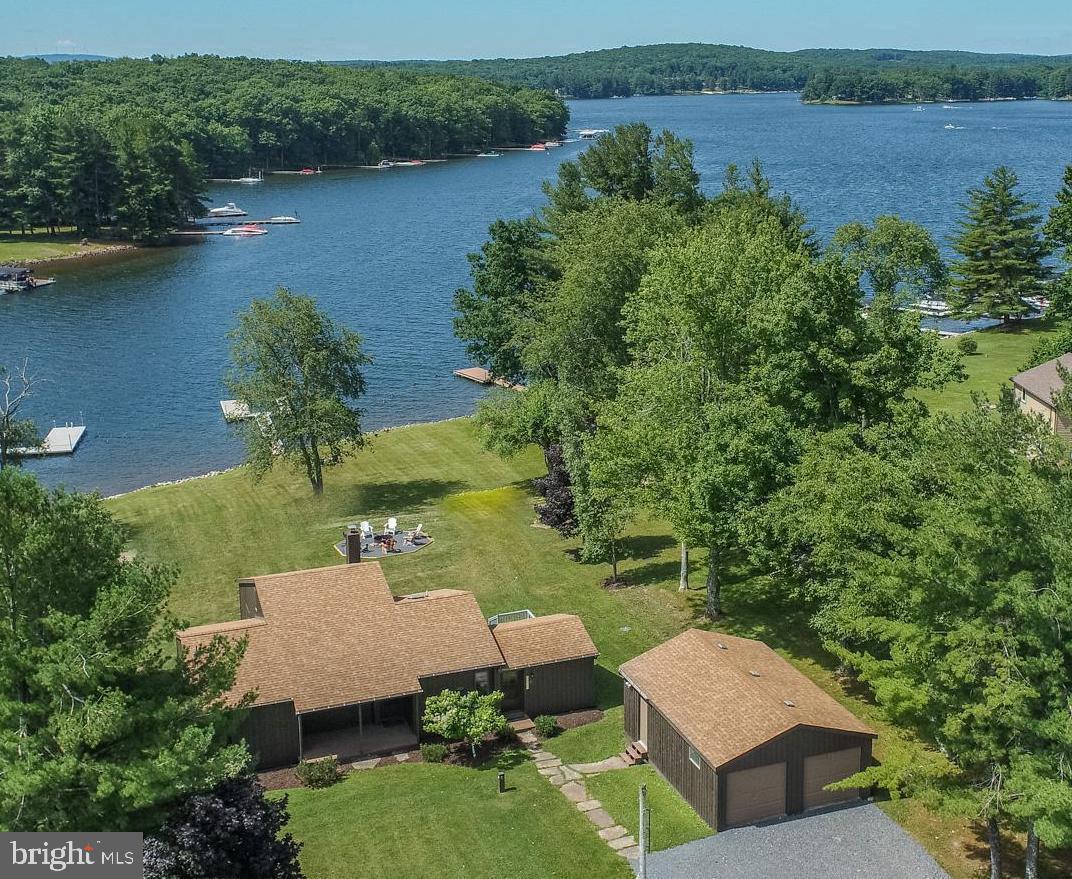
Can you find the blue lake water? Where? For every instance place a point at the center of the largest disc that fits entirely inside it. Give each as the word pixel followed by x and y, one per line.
pixel 137 346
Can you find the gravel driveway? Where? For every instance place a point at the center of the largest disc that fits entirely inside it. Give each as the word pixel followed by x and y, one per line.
pixel 859 842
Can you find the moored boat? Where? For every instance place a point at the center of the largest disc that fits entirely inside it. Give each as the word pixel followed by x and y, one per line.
pixel 283 218
pixel 249 178
pixel 247 230
pixel 385 163
pixel 228 210
pixel 488 155
pixel 537 148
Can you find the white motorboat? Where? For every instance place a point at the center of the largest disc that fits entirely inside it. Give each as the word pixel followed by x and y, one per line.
pixel 284 218
pixel 489 155
pixel 249 178
pixel 228 210
pixel 385 163
pixel 246 231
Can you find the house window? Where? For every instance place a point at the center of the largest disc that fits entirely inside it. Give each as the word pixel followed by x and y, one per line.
pixel 694 757
pixel 483 681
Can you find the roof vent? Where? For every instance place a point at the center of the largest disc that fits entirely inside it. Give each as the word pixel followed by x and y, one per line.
pixel 753 673
pixel 721 646
pixel 789 703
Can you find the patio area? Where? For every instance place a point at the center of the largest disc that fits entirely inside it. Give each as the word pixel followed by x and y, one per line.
pixel 374 740
pixel 379 545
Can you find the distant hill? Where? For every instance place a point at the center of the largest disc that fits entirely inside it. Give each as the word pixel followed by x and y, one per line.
pixel 57 57
pixel 846 75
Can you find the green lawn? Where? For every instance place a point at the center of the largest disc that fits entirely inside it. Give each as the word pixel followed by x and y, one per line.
pixel 446 822
pixel 593 742
pixel 1001 355
pixel 673 822
pixel 479 510
pixel 39 245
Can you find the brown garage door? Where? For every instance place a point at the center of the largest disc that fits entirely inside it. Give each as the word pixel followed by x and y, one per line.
pixel 822 769
pixel 755 794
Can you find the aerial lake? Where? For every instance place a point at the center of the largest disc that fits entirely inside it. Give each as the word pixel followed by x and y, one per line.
pixel 136 345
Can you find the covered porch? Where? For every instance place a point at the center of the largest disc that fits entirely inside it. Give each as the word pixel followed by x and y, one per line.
pixel 370 729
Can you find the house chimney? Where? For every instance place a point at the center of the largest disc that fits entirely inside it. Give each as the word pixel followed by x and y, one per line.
pixel 249 603
pixel 353 544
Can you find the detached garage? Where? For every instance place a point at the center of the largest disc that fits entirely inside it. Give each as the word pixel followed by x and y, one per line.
pixel 741 734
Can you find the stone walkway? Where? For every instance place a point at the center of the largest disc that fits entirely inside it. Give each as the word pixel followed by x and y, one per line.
pixel 569 779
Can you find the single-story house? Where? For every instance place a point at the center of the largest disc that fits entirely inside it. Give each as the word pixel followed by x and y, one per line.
pixel 741 734
pixel 1036 387
pixel 337 664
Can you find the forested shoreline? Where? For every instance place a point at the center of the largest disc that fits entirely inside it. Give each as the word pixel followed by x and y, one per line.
pixel 844 75
pixel 128 143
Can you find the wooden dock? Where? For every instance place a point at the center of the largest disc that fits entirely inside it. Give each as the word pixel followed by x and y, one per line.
pixel 59 441
pixel 482 377
pixel 235 410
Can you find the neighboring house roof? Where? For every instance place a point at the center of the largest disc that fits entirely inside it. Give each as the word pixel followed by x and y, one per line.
pixel 537 641
pixel 1041 381
pixel 703 683
pixel 336 636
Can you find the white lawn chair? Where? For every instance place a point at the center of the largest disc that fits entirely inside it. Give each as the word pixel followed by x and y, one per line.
pixel 414 535
pixel 391 526
pixel 366 531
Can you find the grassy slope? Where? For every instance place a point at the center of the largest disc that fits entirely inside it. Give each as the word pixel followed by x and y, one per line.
pixel 445 822
pixel 1001 355
pixel 479 509
pixel 15 248
pixel 673 822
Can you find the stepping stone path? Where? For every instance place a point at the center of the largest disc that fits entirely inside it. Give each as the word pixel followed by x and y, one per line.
pixel 570 780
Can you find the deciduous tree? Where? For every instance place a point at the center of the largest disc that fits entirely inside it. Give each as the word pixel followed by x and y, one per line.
pixel 300 374
pixel 464 717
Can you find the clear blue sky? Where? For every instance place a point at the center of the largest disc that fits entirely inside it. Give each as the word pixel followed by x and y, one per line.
pixel 338 29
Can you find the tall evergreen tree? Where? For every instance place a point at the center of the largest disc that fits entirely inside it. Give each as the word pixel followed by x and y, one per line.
pixel 1002 251
pixel 99 726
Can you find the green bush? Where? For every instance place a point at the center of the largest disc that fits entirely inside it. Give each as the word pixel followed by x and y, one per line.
pixel 433 752
pixel 318 773
pixel 546 726
pixel 967 344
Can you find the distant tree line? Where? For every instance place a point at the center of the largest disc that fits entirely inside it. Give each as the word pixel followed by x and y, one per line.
pixel 868 75
pixel 128 143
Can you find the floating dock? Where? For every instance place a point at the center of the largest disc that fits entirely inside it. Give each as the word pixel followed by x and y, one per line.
pixel 59 441
pixel 235 410
pixel 482 377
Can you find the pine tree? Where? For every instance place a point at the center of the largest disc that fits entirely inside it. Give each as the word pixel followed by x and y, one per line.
pixel 1002 251
pixel 1058 227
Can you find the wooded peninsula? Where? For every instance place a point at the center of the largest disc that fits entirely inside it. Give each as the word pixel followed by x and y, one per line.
pixel 128 143
pixel 822 75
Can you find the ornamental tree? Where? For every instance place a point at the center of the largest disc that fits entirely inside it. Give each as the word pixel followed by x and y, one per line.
pixel 230 832
pixel 464 717
pixel 898 258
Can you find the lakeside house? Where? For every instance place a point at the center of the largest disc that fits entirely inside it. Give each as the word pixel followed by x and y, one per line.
pixel 338 665
pixel 741 734
pixel 1035 389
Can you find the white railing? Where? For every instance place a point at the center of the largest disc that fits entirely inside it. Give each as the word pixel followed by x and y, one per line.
pixel 510 617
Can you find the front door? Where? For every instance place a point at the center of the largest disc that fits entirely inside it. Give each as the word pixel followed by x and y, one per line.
pixel 510 687
pixel 644 721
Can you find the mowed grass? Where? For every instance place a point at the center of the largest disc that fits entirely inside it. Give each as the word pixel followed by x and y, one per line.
pixel 1001 355
pixel 38 245
pixel 672 820
pixel 446 822
pixel 592 742
pixel 479 509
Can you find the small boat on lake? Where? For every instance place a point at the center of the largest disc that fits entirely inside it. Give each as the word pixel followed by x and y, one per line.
pixel 283 218
pixel 918 108
pixel 306 172
pixel 537 148
pixel 592 133
pixel 385 163
pixel 228 210
pixel 409 163
pixel 249 178
pixel 247 230
pixel 932 307
pixel 552 143
pixel 489 155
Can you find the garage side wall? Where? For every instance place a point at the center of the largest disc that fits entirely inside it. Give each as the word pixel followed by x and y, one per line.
pixel 271 731
pixel 668 752
pixel 559 687
pixel 792 748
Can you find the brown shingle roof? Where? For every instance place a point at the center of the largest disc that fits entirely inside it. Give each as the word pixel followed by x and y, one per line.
pixel 335 636
pixel 540 640
pixel 1042 380
pixel 711 696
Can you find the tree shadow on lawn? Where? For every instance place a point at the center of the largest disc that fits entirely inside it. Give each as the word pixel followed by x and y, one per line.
pixel 391 498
